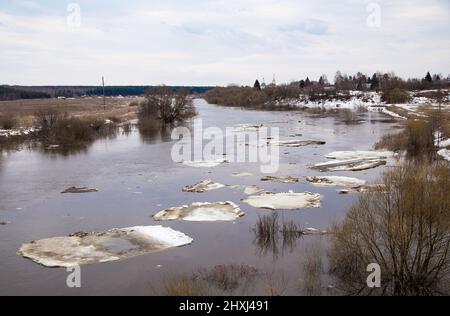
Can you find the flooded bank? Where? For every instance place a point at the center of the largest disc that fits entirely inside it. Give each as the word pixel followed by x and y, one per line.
pixel 136 178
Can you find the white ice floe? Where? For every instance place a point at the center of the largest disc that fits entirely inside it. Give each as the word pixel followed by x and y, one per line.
pixel 203 186
pixel 347 155
pixel 253 189
pixel 285 180
pixel 285 201
pixel 242 174
pixel 297 143
pixel 246 127
pixel 204 163
pixel 313 231
pixel 444 153
pixel 202 212
pixel 112 245
pixel 332 181
pixel 349 165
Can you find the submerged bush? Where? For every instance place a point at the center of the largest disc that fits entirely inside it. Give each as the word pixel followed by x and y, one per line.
pixel 71 132
pixel 405 228
pixel 166 107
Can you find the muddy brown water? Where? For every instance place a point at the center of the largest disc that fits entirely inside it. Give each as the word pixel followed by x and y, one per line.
pixel 137 178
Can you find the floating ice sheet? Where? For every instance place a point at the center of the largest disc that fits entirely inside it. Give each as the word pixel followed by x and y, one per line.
pixel 253 189
pixel 349 165
pixel 333 181
pixel 298 143
pixel 347 155
pixel 204 163
pixel 203 186
pixel 285 201
pixel 112 245
pixel 202 212
pixel 280 179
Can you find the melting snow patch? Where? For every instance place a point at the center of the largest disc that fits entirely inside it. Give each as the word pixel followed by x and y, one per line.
pixel 203 186
pixel 202 212
pixel 444 153
pixel 349 165
pixel 285 201
pixel 112 245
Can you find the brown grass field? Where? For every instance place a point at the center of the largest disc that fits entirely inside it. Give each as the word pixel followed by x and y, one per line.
pixel 24 110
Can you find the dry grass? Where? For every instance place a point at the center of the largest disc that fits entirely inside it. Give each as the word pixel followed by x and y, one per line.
pixel 24 110
pixel 8 121
pixel 184 286
pixel 219 280
pixel 312 271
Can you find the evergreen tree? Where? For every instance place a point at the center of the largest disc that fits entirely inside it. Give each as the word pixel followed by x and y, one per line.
pixel 428 78
pixel 307 82
pixel 257 85
pixel 302 84
pixel 321 82
pixel 375 83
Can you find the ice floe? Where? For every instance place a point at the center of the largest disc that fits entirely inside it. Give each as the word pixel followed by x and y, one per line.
pixel 298 143
pixel 204 163
pixel 252 189
pixel 79 190
pixel 203 186
pixel 112 245
pixel 347 155
pixel 247 127
pixel 285 201
pixel 242 174
pixel 280 179
pixel 334 181
pixel 349 165
pixel 202 212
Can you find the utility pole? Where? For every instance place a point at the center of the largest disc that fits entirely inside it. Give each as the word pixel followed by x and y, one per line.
pixel 104 97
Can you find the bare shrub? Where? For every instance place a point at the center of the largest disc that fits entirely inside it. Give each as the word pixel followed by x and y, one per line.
pixel 395 96
pixel 71 132
pixel 417 139
pixel 405 228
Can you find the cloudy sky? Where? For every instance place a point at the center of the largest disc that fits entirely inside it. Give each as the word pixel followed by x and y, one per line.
pixel 218 42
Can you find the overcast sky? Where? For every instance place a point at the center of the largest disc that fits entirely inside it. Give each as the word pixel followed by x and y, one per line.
pixel 180 42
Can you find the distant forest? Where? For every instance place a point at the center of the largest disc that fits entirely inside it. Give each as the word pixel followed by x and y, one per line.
pixel 45 92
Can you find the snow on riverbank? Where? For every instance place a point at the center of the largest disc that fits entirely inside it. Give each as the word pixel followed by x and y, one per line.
pixel 17 132
pixel 371 101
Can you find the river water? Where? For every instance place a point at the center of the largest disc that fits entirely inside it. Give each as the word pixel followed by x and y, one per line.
pixel 136 178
